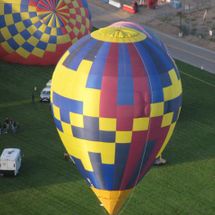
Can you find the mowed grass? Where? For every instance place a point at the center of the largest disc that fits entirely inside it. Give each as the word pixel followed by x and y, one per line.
pixel 49 185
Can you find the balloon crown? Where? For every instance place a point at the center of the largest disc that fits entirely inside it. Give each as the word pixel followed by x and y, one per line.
pixel 118 35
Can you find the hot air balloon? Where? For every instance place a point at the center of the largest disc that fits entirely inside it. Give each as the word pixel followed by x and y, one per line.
pixel 116 96
pixel 40 31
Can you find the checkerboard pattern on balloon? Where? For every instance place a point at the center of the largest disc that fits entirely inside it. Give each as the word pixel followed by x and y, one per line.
pixel 115 106
pixel 41 29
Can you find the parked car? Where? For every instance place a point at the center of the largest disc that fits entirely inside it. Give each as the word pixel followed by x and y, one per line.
pixel 10 161
pixel 45 95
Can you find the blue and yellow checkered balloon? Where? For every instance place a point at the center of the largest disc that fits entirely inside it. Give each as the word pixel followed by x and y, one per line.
pixel 40 31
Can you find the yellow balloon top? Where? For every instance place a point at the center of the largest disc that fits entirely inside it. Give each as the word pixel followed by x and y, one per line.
pixel 118 35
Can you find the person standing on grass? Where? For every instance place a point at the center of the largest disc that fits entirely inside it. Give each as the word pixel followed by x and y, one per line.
pixel 33 98
pixel 14 127
pixel 33 94
pixel 5 127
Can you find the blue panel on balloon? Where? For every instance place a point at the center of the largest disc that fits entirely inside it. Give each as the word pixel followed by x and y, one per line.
pixel 7 8
pixel 13 43
pixel 42 45
pixel 76 60
pixel 97 69
pixel 125 80
pixel 12 29
pixel 16 17
pixel 153 75
pixel 27 46
pixel 67 106
pixel 2 22
pixel 25 34
pixel 103 172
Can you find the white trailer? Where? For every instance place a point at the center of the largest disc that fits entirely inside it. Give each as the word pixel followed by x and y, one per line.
pixel 10 161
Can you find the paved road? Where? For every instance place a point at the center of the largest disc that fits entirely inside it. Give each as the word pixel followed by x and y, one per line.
pixel 103 15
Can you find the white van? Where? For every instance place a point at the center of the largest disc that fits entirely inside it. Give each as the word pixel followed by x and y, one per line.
pixel 45 95
pixel 10 161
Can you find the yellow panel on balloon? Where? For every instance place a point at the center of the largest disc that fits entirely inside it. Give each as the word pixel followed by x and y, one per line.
pixel 107 124
pixel 141 124
pixel 56 112
pixel 23 52
pixel 157 109
pixel 9 19
pixel 7 47
pixel 77 120
pixel 5 32
pixel 167 119
pixel 123 136
pixel 38 52
pixel 51 47
pixel 20 26
pixel 91 102
pixel 175 89
pixel 33 41
pixel 19 39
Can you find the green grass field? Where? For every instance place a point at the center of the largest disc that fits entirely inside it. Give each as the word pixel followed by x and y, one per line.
pixel 49 185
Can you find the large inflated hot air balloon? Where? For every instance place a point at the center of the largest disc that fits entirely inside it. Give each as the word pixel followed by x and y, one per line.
pixel 116 96
pixel 40 31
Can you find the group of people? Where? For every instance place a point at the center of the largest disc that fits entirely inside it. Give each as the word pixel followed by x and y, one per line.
pixel 8 125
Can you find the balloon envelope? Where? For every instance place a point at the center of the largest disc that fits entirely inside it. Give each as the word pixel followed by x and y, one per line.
pixel 116 96
pixel 40 31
